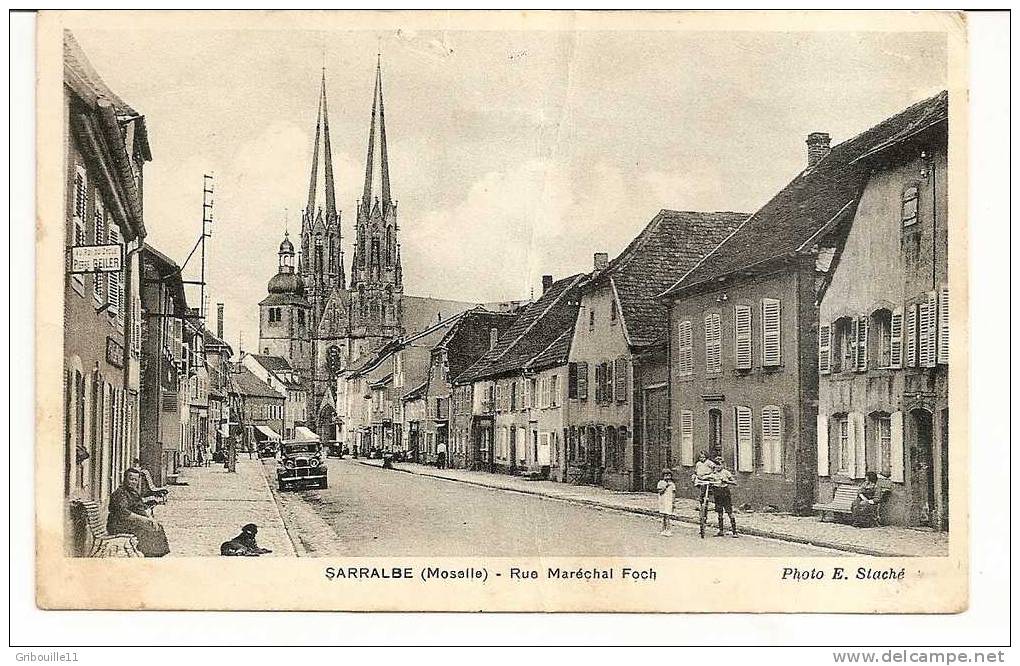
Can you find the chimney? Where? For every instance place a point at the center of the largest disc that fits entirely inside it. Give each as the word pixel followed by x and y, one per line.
pixel 817 147
pixel 601 260
pixel 219 320
pixel 546 283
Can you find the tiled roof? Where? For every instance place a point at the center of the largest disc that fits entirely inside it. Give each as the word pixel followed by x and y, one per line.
pixel 555 354
pixel 246 383
pixel 273 363
pixel 816 197
pixel 212 341
pixel 85 80
pixel 535 329
pixel 421 313
pixel 416 393
pixel 672 244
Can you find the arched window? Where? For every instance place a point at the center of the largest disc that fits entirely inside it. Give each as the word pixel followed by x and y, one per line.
pixel 389 246
pixel 318 253
pixel 332 254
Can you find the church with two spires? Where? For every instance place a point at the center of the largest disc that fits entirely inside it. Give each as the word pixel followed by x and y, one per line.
pixel 313 317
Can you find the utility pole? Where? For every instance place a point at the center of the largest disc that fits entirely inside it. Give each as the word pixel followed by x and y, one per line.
pixel 207 204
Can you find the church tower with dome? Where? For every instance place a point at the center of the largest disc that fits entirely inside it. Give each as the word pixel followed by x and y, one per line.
pixel 285 315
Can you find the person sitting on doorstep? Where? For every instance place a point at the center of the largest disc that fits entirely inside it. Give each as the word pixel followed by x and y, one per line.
pixel 129 514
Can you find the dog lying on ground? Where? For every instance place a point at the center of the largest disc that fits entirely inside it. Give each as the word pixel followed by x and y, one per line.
pixel 244 544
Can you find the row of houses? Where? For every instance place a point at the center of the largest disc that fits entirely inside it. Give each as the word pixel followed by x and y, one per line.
pixel 806 342
pixel 145 380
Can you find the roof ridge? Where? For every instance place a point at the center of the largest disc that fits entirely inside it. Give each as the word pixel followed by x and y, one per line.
pixel 705 258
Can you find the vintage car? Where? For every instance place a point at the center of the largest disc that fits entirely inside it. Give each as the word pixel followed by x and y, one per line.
pixel 301 463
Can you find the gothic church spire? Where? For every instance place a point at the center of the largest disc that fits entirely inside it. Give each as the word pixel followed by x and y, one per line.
pixel 377 128
pixel 322 136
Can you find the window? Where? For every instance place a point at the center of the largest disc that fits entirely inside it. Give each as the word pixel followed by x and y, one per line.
pixel 881 333
pixel 620 372
pixel 582 380
pixel 771 343
pixel 554 391
pixel 844 334
pixel 613 313
pixel 742 337
pixel 571 380
pixel 883 433
pixel 301 316
pixel 713 343
pixel 685 349
pixel 513 397
pixel 591 320
pixel 772 439
pixel 843 433
pixel 908 209
pixel 714 432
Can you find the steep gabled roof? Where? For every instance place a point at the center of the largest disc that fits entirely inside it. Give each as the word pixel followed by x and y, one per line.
pixel 672 244
pixel 535 329
pixel 273 364
pixel 247 383
pixel 556 354
pixel 817 198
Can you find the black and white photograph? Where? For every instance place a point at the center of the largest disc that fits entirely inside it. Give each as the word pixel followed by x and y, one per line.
pixel 568 304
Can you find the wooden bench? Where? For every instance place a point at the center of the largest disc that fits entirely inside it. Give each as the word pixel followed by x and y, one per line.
pixel 843 498
pixel 152 494
pixel 103 543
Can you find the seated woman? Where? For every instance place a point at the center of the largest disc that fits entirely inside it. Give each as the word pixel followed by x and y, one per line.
pixel 129 514
pixel 865 507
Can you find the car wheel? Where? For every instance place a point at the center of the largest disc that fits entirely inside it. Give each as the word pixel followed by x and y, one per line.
pixel 283 486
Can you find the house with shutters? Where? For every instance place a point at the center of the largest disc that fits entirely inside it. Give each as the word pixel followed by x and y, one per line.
pixel 615 435
pixel 519 388
pixel 883 336
pixel 744 327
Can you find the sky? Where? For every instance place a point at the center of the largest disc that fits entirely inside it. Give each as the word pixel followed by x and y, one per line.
pixel 512 154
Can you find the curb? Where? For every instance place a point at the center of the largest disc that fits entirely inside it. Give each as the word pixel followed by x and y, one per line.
pixel 298 551
pixel 753 531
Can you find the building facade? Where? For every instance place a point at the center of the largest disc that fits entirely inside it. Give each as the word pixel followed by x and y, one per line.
pixel 883 346
pixel 277 373
pixel 105 148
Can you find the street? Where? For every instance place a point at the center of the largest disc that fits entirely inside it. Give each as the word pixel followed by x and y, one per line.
pixel 371 512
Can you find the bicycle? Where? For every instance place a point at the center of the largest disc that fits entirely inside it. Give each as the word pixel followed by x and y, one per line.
pixel 705 486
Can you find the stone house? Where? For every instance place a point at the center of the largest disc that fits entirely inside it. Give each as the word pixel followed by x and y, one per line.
pixel 508 392
pixel 883 337
pixel 618 321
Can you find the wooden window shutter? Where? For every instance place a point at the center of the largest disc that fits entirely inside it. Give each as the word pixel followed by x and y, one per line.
pixel 608 379
pixel 113 279
pixel 99 233
pixel 571 380
pixel 621 379
pixel 742 337
pixel 943 326
pixel 822 441
pixel 896 446
pixel 582 380
pixel 685 348
pixel 851 362
pixel 861 358
pixel 771 343
pixel 772 438
pixel 742 425
pixel 713 343
pixel 911 335
pixel 896 339
pixel 598 382
pixel 824 349
pixel 686 437
pixel 927 330
pixel 81 196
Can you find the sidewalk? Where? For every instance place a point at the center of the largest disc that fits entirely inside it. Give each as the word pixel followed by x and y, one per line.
pixel 214 506
pixel 878 541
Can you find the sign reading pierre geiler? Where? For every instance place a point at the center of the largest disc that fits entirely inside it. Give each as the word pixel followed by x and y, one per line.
pixel 96 258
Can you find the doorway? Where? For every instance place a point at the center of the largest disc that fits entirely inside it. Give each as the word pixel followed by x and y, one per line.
pixel 944 466
pixel 715 432
pixel 922 469
pixel 655 437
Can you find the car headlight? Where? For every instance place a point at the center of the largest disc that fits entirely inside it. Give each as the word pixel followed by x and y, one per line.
pixel 314 462
pixel 289 464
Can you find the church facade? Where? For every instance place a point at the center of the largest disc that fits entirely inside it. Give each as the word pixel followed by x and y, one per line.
pixel 313 316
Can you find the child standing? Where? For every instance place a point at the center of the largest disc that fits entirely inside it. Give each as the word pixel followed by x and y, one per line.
pixel 667 494
pixel 723 479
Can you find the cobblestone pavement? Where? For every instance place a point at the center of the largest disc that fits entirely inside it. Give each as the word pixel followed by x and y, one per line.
pixel 213 507
pixel 884 541
pixel 368 511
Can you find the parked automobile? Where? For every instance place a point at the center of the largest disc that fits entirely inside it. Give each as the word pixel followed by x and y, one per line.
pixel 301 464
pixel 335 449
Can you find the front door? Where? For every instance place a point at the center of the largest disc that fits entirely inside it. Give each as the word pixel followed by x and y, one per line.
pixel 657 454
pixel 922 505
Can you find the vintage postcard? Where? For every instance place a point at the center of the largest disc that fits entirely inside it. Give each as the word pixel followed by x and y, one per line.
pixel 508 311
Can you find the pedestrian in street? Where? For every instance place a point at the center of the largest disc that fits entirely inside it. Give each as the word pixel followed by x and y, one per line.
pixel 722 480
pixel 667 496
pixel 441 455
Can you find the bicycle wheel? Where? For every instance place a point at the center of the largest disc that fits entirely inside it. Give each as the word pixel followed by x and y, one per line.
pixel 703 516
